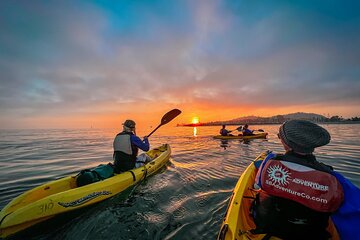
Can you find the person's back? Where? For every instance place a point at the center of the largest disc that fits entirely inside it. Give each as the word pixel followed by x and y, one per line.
pixel 224 131
pixel 126 146
pixel 290 220
pixel 297 193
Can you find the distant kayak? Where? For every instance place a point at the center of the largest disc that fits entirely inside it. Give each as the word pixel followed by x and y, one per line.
pixel 48 200
pixel 257 135
pixel 237 221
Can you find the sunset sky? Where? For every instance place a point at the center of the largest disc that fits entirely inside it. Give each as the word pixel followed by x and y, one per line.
pixel 96 63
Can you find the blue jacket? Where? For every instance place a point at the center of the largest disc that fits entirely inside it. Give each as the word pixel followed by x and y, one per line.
pixel 224 132
pixel 143 145
pixel 347 217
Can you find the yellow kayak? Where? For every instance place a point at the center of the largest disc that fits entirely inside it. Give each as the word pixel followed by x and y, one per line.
pixel 62 195
pixel 257 135
pixel 237 222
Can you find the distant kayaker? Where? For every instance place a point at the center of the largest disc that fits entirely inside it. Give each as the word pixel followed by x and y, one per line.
pixel 224 131
pixel 297 194
pixel 126 147
pixel 246 131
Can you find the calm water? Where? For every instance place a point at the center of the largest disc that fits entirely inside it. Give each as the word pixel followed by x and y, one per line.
pixel 185 201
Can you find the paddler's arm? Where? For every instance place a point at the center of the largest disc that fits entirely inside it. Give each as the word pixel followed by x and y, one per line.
pixel 142 144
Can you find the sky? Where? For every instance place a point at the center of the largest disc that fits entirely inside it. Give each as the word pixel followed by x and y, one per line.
pixel 80 64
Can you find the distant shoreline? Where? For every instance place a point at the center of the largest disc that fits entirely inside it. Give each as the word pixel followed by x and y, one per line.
pixel 237 124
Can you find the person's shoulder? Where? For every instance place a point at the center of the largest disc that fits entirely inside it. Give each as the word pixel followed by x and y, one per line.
pixel 133 136
pixel 278 156
pixel 326 167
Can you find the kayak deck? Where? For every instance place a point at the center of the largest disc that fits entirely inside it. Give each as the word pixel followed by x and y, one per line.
pixel 62 195
pixel 237 221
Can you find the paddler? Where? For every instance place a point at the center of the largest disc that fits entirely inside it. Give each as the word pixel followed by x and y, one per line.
pixel 126 147
pixel 246 131
pixel 297 194
pixel 224 131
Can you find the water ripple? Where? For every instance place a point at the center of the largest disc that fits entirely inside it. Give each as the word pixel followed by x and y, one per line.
pixel 186 200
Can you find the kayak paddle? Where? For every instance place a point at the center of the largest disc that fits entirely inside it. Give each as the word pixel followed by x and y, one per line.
pixel 167 118
pixel 237 129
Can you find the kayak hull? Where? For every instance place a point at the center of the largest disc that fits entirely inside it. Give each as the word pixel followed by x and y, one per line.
pixel 48 200
pixel 255 136
pixel 237 221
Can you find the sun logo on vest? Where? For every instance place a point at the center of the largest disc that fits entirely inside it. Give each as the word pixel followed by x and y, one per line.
pixel 278 175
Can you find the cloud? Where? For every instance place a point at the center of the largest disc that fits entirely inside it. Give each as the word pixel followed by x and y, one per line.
pixel 65 58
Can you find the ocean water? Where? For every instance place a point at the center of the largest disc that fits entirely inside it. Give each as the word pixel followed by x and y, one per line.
pixel 186 200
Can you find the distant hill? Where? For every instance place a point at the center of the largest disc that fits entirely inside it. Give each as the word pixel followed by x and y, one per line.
pixel 274 119
pixel 278 119
pixel 305 116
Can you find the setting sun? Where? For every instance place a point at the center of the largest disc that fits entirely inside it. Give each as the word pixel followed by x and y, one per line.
pixel 195 120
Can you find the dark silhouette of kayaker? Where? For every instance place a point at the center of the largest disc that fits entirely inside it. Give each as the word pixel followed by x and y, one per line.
pixel 126 147
pixel 297 194
pixel 246 131
pixel 224 131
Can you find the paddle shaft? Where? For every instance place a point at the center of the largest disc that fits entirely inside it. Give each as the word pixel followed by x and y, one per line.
pixel 259 130
pixel 166 118
pixel 239 129
pixel 154 130
pixel 236 129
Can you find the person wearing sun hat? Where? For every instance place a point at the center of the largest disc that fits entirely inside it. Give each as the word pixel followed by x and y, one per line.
pixel 296 193
pixel 126 147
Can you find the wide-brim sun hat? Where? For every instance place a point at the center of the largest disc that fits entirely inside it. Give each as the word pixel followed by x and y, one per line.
pixel 303 136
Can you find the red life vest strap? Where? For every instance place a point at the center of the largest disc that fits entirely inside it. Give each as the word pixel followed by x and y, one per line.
pixel 315 189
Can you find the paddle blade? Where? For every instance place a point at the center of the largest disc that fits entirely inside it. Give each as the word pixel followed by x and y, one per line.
pixel 167 118
pixel 260 130
pixel 170 116
pixel 239 128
